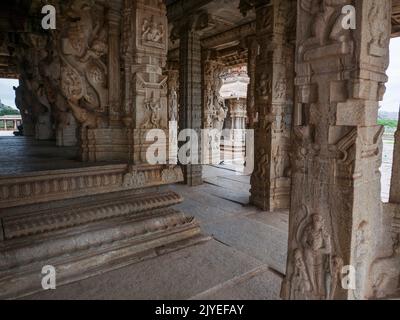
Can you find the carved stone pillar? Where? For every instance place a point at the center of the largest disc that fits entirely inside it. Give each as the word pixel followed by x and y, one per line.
pixel 252 47
pixel 173 111
pixel 270 182
pixel 190 113
pixel 214 109
pixel 335 214
pixel 114 73
pixel 395 181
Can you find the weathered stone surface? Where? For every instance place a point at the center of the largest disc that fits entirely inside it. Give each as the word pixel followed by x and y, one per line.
pixel 89 238
pixel 336 206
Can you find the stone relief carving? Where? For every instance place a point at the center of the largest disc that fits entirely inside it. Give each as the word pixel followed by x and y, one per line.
pixel 82 47
pixel 152 32
pixel 215 108
pixel 361 255
pixel 317 270
pixel 134 179
pixel 172 175
pixel 385 273
pixel 378 19
pixel 153 119
pixel 326 22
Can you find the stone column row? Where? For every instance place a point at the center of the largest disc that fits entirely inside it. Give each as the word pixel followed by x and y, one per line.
pixel 270 182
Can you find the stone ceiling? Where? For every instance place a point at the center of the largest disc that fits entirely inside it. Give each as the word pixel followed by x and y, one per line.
pixel 396 18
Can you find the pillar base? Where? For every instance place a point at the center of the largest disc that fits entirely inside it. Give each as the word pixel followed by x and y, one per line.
pixel 88 238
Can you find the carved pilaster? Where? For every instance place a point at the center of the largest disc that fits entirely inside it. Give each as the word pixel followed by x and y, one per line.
pixel 114 76
pixel 252 49
pixel 395 181
pixel 270 182
pixel 144 48
pixel 335 203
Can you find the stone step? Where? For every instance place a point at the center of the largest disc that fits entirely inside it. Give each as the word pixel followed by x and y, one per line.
pixel 89 237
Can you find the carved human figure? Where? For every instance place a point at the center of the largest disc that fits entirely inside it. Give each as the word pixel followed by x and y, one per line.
pixel 361 253
pixel 153 120
pixel 300 281
pixel 220 116
pixel 316 245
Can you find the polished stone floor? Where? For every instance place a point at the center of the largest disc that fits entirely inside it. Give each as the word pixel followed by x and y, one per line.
pixel 24 154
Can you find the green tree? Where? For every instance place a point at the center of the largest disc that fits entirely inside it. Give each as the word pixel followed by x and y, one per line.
pixel 8 111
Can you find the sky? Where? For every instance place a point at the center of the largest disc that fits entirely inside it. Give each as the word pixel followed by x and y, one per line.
pixel 7 94
pixel 391 100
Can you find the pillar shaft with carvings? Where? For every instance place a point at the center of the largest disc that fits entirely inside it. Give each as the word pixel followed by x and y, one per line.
pixel 252 46
pixel 270 182
pixel 395 181
pixel 214 108
pixel 336 212
pixel 190 113
pixel 114 74
pixel 147 96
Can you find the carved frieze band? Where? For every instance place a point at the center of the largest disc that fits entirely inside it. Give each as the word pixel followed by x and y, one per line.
pixel 39 187
pixel 48 220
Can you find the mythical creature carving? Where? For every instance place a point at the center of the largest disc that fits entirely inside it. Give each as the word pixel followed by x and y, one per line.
pixel 83 44
pixel 385 272
pixel 378 18
pixel 216 110
pixel 326 25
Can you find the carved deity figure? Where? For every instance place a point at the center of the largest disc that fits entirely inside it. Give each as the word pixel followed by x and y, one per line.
pixel 221 112
pixel 153 120
pixel 316 245
pixel 151 31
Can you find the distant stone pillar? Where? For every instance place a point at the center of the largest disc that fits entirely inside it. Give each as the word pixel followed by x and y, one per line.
pixel 252 46
pixel 190 113
pixel 336 210
pixel 214 110
pixel 270 182
pixel 395 181
pixel 172 73
pixel 114 73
